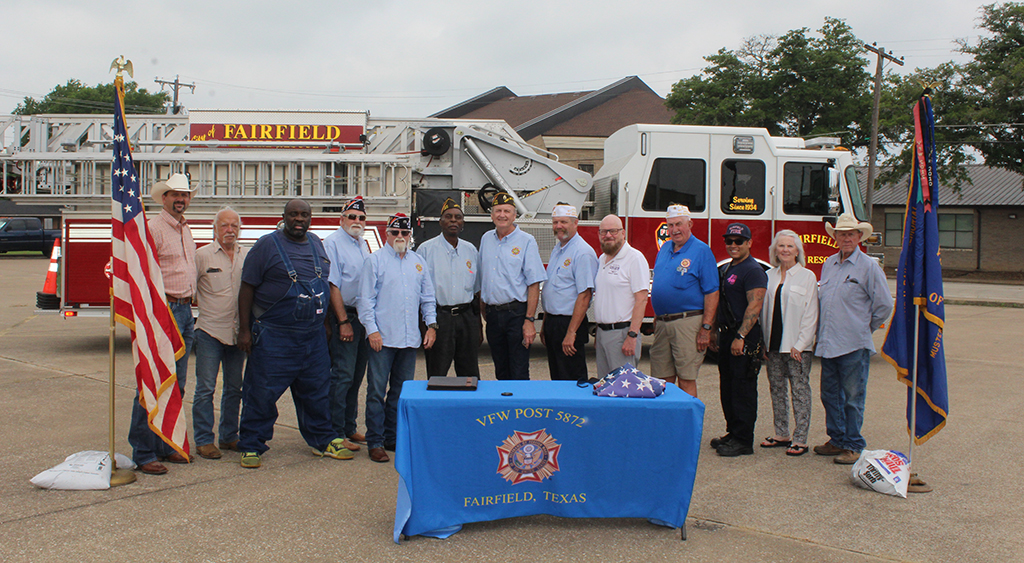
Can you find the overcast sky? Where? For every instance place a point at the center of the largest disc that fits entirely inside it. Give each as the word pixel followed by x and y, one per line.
pixel 411 59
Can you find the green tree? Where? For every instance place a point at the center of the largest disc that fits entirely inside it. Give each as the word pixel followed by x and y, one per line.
pixel 953 106
pixel 995 80
pixel 792 85
pixel 75 97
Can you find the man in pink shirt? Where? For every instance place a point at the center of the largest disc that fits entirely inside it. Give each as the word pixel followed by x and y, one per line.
pixel 176 252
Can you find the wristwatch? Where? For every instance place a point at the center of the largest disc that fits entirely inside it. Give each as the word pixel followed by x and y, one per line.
pixel 432 325
pixel 531 319
pixel 632 334
pixel 706 326
pixel 740 336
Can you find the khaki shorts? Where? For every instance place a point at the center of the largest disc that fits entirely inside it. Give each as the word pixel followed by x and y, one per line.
pixel 674 353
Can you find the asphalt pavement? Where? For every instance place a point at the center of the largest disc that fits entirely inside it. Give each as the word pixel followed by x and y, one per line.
pixel 764 507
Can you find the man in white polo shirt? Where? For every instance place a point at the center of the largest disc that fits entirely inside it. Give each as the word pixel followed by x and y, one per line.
pixel 620 297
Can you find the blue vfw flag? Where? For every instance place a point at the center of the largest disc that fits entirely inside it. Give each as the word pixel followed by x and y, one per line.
pixel 919 288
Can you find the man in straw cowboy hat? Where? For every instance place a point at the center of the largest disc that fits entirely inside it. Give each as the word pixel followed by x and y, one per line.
pixel 176 251
pixel 854 301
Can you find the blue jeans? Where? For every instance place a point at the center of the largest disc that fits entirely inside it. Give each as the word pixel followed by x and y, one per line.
pixel 387 370
pixel 147 446
pixel 844 386
pixel 280 359
pixel 211 355
pixel 348 366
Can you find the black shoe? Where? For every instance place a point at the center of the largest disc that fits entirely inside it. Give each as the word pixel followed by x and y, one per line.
pixel 389 446
pixel 733 448
pixel 715 442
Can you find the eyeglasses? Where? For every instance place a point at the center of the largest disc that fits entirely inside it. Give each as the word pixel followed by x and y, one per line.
pixel 735 241
pixel 603 232
pixel 396 232
pixel 356 217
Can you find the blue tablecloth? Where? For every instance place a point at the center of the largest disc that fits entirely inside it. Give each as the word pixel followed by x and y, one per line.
pixel 549 448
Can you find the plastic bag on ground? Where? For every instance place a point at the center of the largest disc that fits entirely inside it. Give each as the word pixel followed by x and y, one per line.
pixel 83 471
pixel 885 471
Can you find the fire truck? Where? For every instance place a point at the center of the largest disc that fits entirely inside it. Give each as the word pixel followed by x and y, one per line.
pixel 255 161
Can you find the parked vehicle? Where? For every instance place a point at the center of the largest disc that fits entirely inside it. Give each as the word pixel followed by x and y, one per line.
pixel 26 233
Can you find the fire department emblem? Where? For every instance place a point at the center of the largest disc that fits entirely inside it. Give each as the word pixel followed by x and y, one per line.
pixel 526 457
pixel 567 262
pixel 515 251
pixel 661 234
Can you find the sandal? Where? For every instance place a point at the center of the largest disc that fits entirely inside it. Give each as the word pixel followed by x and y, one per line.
pixel 796 450
pixel 770 442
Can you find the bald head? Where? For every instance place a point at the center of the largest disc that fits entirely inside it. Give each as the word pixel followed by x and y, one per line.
pixel 611 234
pixel 297 215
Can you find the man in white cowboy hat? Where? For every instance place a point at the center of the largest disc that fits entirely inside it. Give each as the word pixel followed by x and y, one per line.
pixel 854 301
pixel 176 251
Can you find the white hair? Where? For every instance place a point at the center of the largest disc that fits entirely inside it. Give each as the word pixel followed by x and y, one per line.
pixel 227 208
pixel 800 257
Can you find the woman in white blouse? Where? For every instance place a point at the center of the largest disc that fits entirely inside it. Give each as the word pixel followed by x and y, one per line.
pixel 789 320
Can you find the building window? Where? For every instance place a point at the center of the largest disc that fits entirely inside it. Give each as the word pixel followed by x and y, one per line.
pixel 676 180
pixel 588 168
pixel 956 230
pixel 893 229
pixel 743 187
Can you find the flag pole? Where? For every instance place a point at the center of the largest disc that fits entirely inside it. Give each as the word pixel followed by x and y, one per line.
pixel 916 485
pixel 118 477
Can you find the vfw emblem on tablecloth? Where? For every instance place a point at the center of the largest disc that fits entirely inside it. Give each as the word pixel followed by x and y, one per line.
pixel 526 457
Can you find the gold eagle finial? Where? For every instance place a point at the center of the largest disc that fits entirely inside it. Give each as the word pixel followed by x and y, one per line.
pixel 122 66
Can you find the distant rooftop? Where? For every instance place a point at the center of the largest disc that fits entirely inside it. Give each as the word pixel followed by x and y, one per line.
pixel 989 187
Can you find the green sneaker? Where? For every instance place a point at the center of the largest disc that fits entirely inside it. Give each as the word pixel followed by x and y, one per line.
pixel 335 449
pixel 251 460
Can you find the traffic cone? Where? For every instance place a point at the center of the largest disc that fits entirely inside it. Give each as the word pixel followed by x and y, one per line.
pixel 47 298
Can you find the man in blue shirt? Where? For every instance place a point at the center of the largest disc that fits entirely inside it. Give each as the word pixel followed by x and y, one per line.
pixel 684 294
pixel 282 307
pixel 855 301
pixel 455 270
pixel 394 289
pixel 510 274
pixel 347 250
pixel 743 285
pixel 566 297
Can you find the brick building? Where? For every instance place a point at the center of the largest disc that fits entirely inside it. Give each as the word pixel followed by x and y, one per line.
pixel 980 229
pixel 572 125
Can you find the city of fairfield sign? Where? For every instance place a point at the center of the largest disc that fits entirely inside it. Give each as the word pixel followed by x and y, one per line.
pixel 294 129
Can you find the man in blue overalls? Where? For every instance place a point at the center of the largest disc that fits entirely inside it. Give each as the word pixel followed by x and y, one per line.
pixel 282 306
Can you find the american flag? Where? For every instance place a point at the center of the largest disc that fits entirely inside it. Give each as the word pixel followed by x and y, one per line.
pixel 138 289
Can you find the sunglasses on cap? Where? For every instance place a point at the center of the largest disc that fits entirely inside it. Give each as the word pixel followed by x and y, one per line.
pixel 735 241
pixel 396 232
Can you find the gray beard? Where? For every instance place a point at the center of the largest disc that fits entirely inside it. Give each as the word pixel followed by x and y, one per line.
pixel 401 247
pixel 355 230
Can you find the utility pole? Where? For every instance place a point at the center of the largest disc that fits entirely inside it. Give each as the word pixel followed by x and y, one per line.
pixel 177 85
pixel 873 146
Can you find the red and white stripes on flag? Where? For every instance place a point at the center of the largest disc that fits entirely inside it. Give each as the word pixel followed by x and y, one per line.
pixel 138 290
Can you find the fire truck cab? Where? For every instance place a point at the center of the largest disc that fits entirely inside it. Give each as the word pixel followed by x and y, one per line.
pixel 726 175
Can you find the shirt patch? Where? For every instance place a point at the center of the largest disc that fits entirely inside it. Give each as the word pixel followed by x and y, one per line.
pixel 419 268
pixel 515 251
pixel 567 262
pixel 613 269
pixel 684 267
pixel 731 280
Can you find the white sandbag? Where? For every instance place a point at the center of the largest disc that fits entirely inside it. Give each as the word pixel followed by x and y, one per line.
pixel 83 471
pixel 122 461
pixel 885 471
